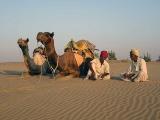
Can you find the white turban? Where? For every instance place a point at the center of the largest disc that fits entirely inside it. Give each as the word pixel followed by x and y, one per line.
pixel 135 52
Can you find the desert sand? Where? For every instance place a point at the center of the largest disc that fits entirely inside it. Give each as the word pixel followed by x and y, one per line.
pixel 24 97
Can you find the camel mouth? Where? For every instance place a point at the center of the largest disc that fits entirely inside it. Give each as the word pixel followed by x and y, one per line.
pixel 38 39
pixel 19 44
pixel 41 41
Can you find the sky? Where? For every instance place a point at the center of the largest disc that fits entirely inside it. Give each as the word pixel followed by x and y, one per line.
pixel 116 25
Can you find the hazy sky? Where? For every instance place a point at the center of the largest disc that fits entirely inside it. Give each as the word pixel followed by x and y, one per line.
pixel 117 25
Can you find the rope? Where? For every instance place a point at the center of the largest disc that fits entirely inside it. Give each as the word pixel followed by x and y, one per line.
pixel 56 64
pixel 50 66
pixel 41 72
pixel 41 67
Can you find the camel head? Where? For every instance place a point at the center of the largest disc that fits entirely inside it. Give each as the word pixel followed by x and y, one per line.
pixel 45 37
pixel 23 43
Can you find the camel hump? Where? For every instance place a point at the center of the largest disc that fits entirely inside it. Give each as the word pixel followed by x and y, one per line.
pixel 73 57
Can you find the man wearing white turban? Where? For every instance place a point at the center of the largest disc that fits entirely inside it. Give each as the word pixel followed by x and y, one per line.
pixel 137 71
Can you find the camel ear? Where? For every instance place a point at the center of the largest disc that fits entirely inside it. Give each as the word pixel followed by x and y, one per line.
pixel 27 40
pixel 52 34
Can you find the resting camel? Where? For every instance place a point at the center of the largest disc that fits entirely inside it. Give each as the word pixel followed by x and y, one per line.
pixel 83 47
pixel 68 63
pixel 31 66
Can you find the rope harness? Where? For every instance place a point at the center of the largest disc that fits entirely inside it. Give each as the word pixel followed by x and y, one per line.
pixel 42 66
pixel 50 66
pixel 53 70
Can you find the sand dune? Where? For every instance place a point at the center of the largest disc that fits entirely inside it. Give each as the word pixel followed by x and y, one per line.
pixel 32 98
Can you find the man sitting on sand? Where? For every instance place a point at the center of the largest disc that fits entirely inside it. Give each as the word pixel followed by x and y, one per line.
pixel 99 68
pixel 137 71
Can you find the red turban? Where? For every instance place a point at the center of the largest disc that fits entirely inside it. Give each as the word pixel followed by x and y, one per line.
pixel 104 54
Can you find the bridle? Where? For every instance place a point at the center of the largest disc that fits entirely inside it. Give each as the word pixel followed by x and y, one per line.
pixel 50 66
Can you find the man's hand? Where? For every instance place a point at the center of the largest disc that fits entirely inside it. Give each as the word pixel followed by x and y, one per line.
pixel 125 75
pixel 103 75
pixel 130 75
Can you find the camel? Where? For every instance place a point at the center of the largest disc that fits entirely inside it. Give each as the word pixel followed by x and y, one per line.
pixel 83 47
pixel 33 69
pixel 68 63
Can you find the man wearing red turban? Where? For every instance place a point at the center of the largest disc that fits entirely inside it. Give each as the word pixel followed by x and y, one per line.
pixel 99 68
pixel 104 54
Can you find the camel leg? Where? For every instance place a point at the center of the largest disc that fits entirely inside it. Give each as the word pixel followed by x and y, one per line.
pixel 74 73
pixel 70 71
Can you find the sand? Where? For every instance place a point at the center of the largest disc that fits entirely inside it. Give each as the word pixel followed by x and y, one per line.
pixel 35 98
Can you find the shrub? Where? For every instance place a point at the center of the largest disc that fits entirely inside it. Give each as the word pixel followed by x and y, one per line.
pixel 112 55
pixel 147 57
pixel 96 54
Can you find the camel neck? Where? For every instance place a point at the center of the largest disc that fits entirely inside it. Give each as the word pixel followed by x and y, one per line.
pixel 26 53
pixel 26 56
pixel 51 52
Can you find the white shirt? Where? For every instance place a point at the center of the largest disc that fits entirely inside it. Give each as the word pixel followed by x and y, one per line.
pixel 100 68
pixel 139 68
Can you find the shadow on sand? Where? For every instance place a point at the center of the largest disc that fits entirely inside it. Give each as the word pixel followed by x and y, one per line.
pixel 9 72
pixel 116 78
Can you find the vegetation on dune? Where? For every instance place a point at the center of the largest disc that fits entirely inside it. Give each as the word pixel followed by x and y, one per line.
pixel 147 57
pixel 112 55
